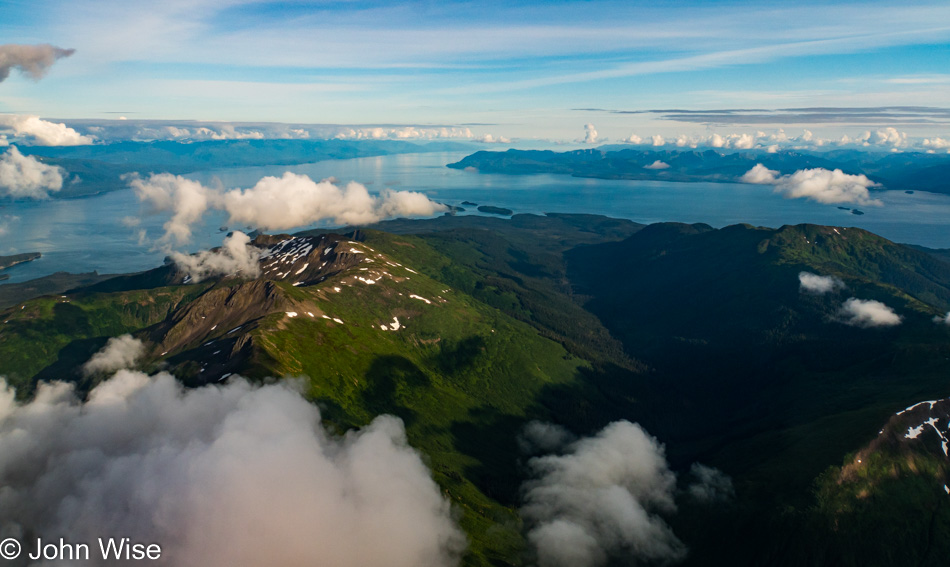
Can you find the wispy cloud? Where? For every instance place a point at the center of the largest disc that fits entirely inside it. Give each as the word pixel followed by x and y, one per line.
pixel 33 61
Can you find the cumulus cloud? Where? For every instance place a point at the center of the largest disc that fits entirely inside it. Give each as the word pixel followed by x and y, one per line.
pixel 657 165
pixel 187 200
pixel 709 485
pixel 276 203
pixel 31 60
pixel 42 132
pixel 236 256
pixel 633 139
pixel 600 500
pixel 657 140
pixel 226 476
pixel 590 134
pixel 867 313
pixel 119 353
pixel 26 177
pixel 759 175
pixel 945 320
pixel 489 139
pixel 541 437
pixel 821 185
pixel 818 285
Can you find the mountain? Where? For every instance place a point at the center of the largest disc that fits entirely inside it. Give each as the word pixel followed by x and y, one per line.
pixel 98 168
pixel 469 327
pixel 900 171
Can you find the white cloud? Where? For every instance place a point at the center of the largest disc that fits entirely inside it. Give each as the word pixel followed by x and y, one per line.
pixel 236 256
pixel 945 320
pixel 759 175
pixel 187 199
pixel 600 500
pixel 31 60
pixel 657 165
pixel 867 313
pixel 42 132
pixel 119 353
pixel 219 476
pixel 26 177
pixel 276 203
pixel 633 139
pixel 709 484
pixel 590 134
pixel 489 139
pixel 818 285
pixel 657 140
pixel 889 136
pixel 936 143
pixel 821 185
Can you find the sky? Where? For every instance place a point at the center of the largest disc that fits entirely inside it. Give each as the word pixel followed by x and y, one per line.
pixel 512 70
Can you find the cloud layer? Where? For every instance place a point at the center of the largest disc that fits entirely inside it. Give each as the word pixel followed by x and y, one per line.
pixel 42 132
pixel 821 185
pixel 276 203
pixel 227 476
pixel 600 501
pixel 867 313
pixel 25 177
pixel 818 285
pixel 31 60
pixel 236 256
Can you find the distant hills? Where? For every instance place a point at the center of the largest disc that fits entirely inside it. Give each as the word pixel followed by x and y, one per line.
pixel 900 171
pixel 468 327
pixel 98 168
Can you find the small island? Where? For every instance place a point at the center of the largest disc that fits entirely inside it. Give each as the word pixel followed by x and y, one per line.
pixel 9 261
pixel 495 210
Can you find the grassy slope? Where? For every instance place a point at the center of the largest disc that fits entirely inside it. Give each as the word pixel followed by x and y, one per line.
pixel 47 337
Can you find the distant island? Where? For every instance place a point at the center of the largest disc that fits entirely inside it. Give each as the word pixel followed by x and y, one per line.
pixel 495 210
pixel 9 261
pixel 907 171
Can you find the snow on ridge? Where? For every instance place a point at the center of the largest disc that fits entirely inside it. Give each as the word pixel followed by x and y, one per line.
pixel 414 296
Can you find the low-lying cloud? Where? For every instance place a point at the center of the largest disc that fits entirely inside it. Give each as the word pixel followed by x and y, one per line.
pixel 220 476
pixel 867 313
pixel 43 132
pixel 235 257
pixel 601 500
pixel 819 184
pixel 542 437
pixel 119 353
pixel 944 320
pixel 818 285
pixel 657 165
pixel 709 485
pixel 25 177
pixel 31 60
pixel 276 203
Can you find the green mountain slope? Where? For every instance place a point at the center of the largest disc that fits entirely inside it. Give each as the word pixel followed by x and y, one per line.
pixel 467 327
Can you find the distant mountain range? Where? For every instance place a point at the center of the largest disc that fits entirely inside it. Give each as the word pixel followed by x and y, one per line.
pixel 468 327
pixel 98 168
pixel 906 171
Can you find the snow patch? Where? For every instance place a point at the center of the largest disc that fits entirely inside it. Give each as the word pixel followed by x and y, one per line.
pixel 291 313
pixel 420 298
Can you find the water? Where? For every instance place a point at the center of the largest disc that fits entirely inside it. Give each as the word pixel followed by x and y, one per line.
pixel 87 234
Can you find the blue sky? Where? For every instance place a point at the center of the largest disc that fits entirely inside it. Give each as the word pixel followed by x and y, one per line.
pixel 518 69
